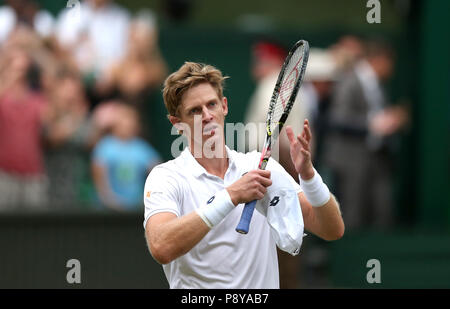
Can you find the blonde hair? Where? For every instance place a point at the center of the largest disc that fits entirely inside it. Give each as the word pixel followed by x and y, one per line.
pixel 187 76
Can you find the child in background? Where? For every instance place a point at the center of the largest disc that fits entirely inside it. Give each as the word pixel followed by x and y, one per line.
pixel 121 162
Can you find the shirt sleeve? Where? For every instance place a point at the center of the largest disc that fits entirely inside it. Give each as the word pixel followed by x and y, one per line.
pixel 161 193
pixel 99 153
pixel 275 166
pixel 152 156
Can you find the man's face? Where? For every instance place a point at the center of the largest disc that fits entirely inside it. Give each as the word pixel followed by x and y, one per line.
pixel 384 66
pixel 99 3
pixel 387 67
pixel 202 115
pixel 262 67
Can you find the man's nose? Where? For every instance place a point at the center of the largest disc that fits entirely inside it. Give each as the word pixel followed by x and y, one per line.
pixel 206 114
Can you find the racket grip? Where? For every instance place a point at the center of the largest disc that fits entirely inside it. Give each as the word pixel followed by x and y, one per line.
pixel 246 217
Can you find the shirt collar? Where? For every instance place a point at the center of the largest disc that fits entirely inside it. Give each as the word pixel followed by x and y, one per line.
pixel 196 169
pixel 366 74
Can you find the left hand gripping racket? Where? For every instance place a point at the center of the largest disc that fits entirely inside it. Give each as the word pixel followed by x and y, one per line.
pixel 283 98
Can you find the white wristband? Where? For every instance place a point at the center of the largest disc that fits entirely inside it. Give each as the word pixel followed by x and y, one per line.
pixel 316 191
pixel 217 207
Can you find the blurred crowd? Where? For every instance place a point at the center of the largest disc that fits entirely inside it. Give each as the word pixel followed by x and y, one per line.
pixel 72 88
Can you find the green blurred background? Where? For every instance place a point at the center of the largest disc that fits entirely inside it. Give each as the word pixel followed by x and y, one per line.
pixel 111 247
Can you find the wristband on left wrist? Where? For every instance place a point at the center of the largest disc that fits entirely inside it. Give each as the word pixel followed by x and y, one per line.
pixel 315 190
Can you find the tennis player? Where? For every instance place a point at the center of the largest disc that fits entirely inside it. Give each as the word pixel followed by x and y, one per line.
pixel 194 202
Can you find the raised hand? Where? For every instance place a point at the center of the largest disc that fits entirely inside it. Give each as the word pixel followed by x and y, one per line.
pixel 300 151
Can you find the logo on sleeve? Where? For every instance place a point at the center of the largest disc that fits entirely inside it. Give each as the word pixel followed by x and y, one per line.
pixel 148 194
pixel 211 199
pixel 274 201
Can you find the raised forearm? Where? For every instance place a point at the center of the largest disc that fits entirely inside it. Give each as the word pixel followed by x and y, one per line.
pixel 327 220
pixel 321 213
pixel 174 237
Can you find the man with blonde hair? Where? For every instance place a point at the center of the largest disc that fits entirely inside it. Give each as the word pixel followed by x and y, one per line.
pixel 193 203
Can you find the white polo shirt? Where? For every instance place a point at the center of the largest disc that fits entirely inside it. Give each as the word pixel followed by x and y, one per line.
pixel 223 259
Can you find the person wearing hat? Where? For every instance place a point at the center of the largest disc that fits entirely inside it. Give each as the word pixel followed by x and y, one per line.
pixel 358 147
pixel 321 75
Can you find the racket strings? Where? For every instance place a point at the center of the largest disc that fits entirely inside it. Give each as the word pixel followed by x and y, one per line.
pixel 287 86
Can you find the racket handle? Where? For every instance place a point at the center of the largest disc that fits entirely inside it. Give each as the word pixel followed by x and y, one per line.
pixel 246 217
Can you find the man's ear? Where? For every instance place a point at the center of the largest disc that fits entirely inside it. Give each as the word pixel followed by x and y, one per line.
pixel 176 122
pixel 225 105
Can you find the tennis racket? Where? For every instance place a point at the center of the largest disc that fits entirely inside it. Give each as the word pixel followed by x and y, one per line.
pixel 283 98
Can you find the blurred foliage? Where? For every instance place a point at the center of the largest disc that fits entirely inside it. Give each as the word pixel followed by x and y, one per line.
pixel 276 15
pixel 269 15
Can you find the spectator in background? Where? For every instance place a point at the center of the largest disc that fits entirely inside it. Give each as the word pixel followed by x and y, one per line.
pixel 47 55
pixel 103 118
pixel 141 70
pixel 357 147
pixel 97 36
pixel 321 74
pixel 347 51
pixel 121 161
pixel 135 78
pixel 68 135
pixel 25 12
pixel 22 109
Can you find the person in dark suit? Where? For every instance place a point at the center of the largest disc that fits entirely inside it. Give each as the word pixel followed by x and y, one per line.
pixel 357 145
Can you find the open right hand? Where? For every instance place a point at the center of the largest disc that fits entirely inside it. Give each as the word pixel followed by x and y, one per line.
pixel 252 186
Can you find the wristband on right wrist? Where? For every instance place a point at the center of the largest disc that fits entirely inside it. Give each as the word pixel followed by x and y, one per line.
pixel 217 207
pixel 315 190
